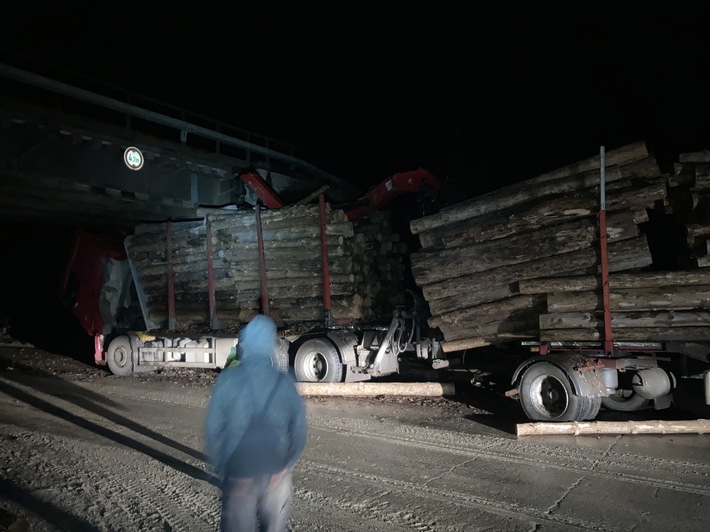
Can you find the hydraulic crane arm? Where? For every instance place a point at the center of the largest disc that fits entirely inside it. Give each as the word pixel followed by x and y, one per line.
pixel 262 189
pixel 418 181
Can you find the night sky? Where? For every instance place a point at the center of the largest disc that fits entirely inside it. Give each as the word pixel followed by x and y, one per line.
pixel 484 96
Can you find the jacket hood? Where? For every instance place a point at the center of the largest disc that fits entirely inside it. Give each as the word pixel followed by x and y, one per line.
pixel 258 339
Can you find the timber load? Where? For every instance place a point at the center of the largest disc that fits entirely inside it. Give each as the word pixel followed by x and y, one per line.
pixel 523 262
pixel 208 273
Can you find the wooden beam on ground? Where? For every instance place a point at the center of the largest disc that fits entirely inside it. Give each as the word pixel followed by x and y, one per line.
pixel 373 389
pixel 577 428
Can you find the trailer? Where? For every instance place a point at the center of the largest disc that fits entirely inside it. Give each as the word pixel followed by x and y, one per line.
pixel 570 379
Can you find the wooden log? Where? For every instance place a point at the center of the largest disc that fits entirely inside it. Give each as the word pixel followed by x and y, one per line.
pixel 430 267
pixel 548 213
pixel 462 292
pixel 313 195
pixel 579 428
pixel 350 307
pixel 644 334
pixel 488 312
pixel 241 293
pixel 484 294
pixel 630 254
pixel 695 157
pixel 294 229
pixel 697 231
pixel 159 318
pixel 589 167
pixel 524 327
pixel 510 196
pixel 375 389
pixel 230 284
pixel 546 285
pixel 465 343
pixel 647 167
pixel 701 175
pixel 671 297
pixel 640 216
pixel 622 156
pixel 616 281
pixel 285 233
pixel 236 259
pixel 625 320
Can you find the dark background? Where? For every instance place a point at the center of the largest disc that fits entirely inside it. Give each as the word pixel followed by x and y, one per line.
pixel 482 93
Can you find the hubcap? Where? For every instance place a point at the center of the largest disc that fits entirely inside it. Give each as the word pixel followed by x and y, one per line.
pixel 120 357
pixel 315 367
pixel 549 396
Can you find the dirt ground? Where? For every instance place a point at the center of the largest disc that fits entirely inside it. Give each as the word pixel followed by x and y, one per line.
pixel 81 449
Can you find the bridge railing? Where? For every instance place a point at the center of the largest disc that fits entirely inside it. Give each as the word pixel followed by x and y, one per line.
pixel 136 112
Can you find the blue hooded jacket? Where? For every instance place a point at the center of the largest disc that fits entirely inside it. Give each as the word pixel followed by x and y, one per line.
pixel 240 393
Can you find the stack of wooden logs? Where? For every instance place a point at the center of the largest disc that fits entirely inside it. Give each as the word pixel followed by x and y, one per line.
pixel 293 265
pixel 379 256
pixel 523 262
pixel 691 197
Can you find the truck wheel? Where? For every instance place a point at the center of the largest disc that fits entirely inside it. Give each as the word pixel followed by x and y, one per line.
pixel 120 356
pixel 593 405
pixel 625 401
pixel 317 360
pixel 280 359
pixel 546 395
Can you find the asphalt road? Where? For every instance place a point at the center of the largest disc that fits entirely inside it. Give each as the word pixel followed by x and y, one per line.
pixel 80 450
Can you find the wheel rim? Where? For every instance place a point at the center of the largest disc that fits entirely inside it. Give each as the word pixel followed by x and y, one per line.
pixel 549 396
pixel 315 366
pixel 120 357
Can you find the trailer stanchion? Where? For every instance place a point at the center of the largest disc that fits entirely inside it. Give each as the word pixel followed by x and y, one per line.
pixel 214 324
pixel 172 324
pixel 604 255
pixel 262 262
pixel 326 267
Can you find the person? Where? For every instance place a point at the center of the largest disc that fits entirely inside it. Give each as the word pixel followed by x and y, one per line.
pixel 255 433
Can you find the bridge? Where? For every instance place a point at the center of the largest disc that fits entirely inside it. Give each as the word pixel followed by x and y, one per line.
pixel 112 159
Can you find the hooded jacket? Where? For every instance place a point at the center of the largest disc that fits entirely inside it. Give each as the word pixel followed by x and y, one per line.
pixel 241 392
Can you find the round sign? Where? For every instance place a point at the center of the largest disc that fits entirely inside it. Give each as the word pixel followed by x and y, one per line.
pixel 133 158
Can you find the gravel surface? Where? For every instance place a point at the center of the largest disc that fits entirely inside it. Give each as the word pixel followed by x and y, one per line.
pixel 81 449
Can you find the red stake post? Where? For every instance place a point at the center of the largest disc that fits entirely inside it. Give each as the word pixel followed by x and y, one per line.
pixel 604 255
pixel 262 263
pixel 326 266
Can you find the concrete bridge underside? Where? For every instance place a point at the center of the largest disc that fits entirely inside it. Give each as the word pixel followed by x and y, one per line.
pixel 66 166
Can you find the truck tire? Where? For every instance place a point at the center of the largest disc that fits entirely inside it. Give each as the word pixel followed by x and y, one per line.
pixel 317 360
pixel 119 356
pixel 593 405
pixel 546 395
pixel 281 360
pixel 625 401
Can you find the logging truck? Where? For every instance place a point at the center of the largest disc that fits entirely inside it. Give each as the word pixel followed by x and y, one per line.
pixel 107 294
pixel 120 287
pixel 159 298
